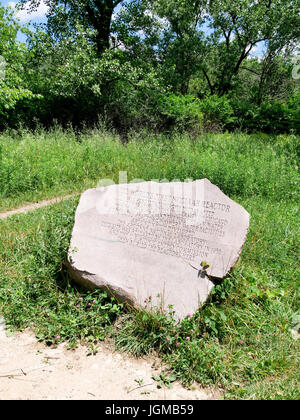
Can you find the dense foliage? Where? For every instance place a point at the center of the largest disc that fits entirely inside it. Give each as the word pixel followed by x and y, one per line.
pixel 188 64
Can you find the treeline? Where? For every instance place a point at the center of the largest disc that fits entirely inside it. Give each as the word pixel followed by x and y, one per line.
pixel 158 65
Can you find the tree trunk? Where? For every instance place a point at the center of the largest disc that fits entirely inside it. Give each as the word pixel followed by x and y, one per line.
pixel 100 17
pixel 103 32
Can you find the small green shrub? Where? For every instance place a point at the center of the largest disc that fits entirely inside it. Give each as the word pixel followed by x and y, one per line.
pixel 218 112
pixel 180 111
pixel 271 117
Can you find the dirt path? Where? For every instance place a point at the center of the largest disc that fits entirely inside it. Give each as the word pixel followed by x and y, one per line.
pixel 34 206
pixel 29 370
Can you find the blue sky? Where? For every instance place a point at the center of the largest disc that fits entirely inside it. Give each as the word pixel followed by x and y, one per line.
pixel 26 18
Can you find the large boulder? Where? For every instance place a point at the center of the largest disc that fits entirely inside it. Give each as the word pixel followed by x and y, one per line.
pixel 164 240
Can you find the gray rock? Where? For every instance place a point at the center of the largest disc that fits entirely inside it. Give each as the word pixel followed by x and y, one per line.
pixel 164 240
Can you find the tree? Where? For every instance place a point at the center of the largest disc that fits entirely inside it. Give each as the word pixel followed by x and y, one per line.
pixel 12 84
pixel 171 30
pixel 215 38
pixel 241 25
pixel 148 58
pixel 95 15
pixel 183 41
pixel 186 37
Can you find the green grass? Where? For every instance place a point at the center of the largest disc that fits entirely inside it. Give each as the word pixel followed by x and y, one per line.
pixel 35 289
pixel 241 340
pixel 40 165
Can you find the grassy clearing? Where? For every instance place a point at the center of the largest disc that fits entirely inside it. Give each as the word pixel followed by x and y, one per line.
pixel 241 340
pixel 43 165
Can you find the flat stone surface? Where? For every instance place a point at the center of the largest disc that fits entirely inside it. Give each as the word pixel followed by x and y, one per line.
pixel 150 239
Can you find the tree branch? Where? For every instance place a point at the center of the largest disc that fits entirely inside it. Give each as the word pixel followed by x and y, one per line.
pixel 244 55
pixel 208 81
pixel 252 71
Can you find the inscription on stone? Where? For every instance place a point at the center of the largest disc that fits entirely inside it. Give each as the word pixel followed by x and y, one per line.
pixel 141 240
pixel 168 235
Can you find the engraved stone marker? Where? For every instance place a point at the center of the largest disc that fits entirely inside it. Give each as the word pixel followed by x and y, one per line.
pixel 150 239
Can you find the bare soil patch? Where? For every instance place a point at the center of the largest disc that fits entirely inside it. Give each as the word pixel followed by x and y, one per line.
pixel 30 370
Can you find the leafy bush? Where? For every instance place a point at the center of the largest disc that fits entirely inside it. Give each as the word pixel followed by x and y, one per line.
pixel 274 117
pixel 12 57
pixel 294 111
pixel 180 111
pixel 218 112
pixel 271 117
pixel 9 97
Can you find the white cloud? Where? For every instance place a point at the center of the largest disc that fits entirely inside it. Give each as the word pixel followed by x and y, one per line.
pixel 26 15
